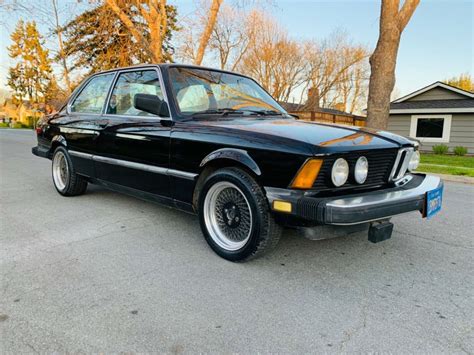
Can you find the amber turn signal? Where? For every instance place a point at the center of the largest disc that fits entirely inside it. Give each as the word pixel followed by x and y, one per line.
pixel 305 177
pixel 282 206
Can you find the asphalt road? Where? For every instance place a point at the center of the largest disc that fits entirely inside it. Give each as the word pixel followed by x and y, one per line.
pixel 105 272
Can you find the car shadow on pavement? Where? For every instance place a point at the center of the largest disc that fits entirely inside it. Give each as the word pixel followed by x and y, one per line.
pixel 185 228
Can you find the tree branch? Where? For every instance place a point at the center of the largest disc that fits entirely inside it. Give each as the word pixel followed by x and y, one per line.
pixel 206 34
pixel 406 13
pixel 126 20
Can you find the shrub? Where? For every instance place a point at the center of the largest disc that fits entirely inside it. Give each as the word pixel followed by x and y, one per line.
pixel 440 149
pixel 17 125
pixel 4 124
pixel 460 150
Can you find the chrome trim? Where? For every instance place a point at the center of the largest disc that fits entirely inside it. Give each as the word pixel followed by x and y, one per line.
pixel 129 70
pixel 374 201
pixel 132 136
pixel 403 181
pixel 78 131
pixel 134 165
pixel 429 183
pixel 80 154
pixel 129 164
pixel 81 87
pixel 181 174
pixel 403 169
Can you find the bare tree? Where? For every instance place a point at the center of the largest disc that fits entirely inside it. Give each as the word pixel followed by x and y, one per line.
pixel 272 58
pixel 393 21
pixel 232 36
pixel 331 68
pixel 61 53
pixel 206 33
pixel 155 15
pixel 351 90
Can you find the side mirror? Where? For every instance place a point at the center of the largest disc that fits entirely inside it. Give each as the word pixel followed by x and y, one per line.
pixel 151 104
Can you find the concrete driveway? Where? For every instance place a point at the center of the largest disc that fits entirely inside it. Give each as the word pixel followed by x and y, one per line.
pixel 105 272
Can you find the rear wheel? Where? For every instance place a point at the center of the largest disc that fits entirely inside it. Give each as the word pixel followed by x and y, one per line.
pixel 235 216
pixel 65 179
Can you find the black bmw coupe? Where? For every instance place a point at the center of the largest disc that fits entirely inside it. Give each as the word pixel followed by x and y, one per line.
pixel 217 144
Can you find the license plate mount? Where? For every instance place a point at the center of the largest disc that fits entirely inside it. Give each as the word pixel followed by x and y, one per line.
pixel 434 200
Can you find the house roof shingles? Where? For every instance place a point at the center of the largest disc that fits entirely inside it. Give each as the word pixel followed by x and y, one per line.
pixel 433 104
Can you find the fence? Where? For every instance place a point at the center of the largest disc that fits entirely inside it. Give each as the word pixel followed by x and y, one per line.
pixel 330 118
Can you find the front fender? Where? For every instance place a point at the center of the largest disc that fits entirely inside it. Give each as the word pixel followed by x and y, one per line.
pixel 238 155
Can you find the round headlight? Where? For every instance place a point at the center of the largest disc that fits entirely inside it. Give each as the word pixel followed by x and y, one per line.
pixel 340 172
pixel 361 170
pixel 414 161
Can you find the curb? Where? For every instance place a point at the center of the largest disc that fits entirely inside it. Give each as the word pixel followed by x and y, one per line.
pixel 453 178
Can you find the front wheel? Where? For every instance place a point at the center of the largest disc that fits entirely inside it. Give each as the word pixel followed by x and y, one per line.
pixel 65 179
pixel 235 217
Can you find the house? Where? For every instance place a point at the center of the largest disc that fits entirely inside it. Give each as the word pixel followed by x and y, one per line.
pixel 436 114
pixel 24 113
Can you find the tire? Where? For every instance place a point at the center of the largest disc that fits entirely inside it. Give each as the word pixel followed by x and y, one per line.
pixel 65 179
pixel 235 216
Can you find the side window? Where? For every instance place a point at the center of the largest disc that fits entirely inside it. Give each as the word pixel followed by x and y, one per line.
pixel 92 98
pixel 128 85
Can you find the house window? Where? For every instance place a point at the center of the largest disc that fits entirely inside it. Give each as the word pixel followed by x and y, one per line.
pixel 431 128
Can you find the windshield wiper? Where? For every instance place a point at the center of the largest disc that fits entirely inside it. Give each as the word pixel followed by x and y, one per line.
pixel 265 112
pixel 220 111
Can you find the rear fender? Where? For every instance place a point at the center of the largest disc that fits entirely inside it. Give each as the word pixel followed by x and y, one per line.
pixel 56 141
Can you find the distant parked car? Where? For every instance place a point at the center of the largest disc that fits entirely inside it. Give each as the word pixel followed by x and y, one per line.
pixel 215 143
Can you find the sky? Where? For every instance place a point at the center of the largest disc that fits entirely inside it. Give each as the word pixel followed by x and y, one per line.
pixel 438 43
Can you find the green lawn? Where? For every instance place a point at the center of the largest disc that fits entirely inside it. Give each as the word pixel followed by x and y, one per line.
pixel 451 160
pixel 447 164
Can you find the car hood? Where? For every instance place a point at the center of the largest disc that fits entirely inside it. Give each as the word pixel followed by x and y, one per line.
pixel 323 137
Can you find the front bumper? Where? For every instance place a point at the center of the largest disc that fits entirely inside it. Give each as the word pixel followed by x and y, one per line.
pixel 357 208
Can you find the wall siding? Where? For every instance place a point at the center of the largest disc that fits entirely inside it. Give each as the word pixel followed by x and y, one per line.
pixel 462 130
pixel 438 94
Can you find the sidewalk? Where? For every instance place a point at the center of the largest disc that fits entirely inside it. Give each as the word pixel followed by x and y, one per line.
pixel 453 178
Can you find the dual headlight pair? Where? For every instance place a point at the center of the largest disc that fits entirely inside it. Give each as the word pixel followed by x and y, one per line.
pixel 340 171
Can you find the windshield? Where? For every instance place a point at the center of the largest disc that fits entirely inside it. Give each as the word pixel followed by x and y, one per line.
pixel 206 91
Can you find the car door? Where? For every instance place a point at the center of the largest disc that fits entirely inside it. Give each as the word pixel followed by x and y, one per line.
pixel 83 123
pixel 133 148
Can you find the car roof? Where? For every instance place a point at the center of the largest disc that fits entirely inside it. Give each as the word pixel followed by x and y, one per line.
pixel 170 65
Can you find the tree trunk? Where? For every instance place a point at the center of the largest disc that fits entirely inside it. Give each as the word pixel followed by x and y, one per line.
pixel 62 55
pixel 206 34
pixel 157 22
pixel 382 77
pixel 156 19
pixel 384 58
pixel 156 45
pixel 114 6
